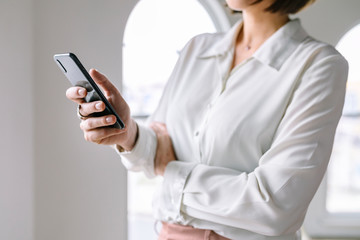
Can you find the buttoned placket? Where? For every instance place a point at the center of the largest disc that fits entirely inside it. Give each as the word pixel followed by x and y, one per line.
pixel 223 63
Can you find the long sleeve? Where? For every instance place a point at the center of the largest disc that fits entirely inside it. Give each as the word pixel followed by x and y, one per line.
pixel 141 157
pixel 271 200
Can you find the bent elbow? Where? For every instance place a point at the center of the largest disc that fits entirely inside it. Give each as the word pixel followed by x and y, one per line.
pixel 286 222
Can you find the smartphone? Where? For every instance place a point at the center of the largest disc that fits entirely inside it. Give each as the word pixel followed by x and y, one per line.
pixel 79 76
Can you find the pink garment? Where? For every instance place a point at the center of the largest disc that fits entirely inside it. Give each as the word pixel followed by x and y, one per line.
pixel 179 232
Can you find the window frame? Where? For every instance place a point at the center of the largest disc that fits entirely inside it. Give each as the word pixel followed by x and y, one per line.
pixel 218 13
pixel 320 223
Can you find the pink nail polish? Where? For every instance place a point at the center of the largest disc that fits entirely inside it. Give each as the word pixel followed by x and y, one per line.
pixel 109 119
pixel 81 92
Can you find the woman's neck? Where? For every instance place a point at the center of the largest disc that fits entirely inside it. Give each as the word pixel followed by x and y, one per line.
pixel 257 27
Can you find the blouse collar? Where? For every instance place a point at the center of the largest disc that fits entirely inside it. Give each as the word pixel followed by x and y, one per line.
pixel 273 52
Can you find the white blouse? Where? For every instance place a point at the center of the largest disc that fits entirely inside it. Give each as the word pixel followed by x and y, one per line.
pixel 252 143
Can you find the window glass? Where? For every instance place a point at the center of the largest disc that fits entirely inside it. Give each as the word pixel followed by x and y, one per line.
pixel 343 189
pixel 155 33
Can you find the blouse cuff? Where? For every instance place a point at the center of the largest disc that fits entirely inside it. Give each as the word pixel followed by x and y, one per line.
pixel 175 176
pixel 141 157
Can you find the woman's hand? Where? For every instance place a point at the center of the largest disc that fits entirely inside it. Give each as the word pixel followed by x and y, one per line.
pixel 165 151
pixel 95 128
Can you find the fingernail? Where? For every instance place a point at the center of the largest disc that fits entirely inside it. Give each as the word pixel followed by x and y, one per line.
pixel 81 92
pixel 109 119
pixel 98 106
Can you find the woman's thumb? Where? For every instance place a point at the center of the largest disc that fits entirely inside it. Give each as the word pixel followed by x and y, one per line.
pixel 101 80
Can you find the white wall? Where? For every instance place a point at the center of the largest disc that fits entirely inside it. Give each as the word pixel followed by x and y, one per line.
pixel 329 20
pixel 16 120
pixel 80 187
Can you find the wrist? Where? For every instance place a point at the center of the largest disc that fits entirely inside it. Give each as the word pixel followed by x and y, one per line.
pixel 132 133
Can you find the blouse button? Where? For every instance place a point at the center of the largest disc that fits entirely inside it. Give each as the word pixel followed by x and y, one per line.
pixel 197 133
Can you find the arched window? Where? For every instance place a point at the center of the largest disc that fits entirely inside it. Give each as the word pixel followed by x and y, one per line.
pixel 155 33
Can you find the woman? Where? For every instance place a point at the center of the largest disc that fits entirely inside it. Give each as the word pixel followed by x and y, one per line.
pixel 244 130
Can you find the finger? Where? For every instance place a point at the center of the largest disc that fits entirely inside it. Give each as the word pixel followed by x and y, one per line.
pixel 76 94
pixel 102 81
pixel 87 109
pixel 153 125
pixel 159 128
pixel 100 135
pixel 97 122
pixel 162 126
pixel 158 124
pixel 155 128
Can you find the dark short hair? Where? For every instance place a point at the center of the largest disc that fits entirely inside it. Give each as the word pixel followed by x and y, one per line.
pixel 287 6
